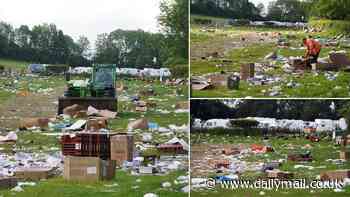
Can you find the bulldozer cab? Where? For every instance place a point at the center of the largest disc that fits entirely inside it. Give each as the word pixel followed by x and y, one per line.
pixel 104 76
pixel 103 80
pixel 98 91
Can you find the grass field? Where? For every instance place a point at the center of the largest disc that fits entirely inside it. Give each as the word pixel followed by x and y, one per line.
pixel 320 152
pixel 37 141
pixel 13 64
pixel 226 41
pixel 123 185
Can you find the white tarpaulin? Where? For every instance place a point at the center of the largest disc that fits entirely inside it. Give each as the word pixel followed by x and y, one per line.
pixel 216 123
pixel 81 70
pixel 76 126
pixel 148 72
pixel 342 124
pixel 321 125
pixel 12 136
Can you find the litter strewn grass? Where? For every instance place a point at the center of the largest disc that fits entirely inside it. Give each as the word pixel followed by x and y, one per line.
pixel 320 151
pixel 123 185
pixel 309 84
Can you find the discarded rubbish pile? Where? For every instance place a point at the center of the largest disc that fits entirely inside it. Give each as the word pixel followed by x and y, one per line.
pixel 14 82
pixel 239 161
pixel 255 73
pixel 93 156
pixel 89 155
pixel 146 72
pixel 20 167
pixel 281 70
pixel 226 159
pixel 90 119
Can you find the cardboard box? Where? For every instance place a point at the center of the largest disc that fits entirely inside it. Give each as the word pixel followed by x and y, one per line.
pixel 33 174
pixel 217 79
pixel 219 163
pixel 146 170
pixel 182 105
pixel 34 122
pixel 231 151
pixel 122 148
pixel 8 182
pixel 88 169
pixel 141 109
pixel 335 175
pixel 95 124
pixel 339 140
pixel 277 174
pixel 247 71
pixel 344 154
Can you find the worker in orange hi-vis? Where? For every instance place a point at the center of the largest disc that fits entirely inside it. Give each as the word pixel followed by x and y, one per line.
pixel 312 52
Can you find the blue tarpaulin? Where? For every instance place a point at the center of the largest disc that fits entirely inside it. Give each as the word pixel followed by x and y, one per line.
pixel 36 68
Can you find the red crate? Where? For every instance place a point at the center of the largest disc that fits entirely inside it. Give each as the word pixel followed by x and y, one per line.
pixel 87 144
pixel 171 148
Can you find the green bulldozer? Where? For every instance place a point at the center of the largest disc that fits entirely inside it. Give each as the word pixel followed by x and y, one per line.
pixel 99 91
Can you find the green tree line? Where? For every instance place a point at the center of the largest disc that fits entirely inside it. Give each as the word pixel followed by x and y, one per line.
pixel 131 48
pixel 43 43
pixel 128 48
pixel 237 9
pixel 279 10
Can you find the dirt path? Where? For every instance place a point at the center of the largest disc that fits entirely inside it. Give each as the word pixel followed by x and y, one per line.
pixel 33 105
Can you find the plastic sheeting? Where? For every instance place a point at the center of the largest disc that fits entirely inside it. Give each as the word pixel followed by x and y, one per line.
pixel 216 123
pixel 148 72
pixel 321 125
pixel 279 24
pixel 12 136
pixel 176 140
pixel 81 70
pixel 36 68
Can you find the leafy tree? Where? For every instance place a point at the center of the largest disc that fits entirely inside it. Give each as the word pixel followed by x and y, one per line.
pixel 237 9
pixel 23 36
pixel 287 10
pixel 174 22
pixel 83 46
pixel 332 9
pixel 261 8
pixel 43 44
pixel 130 48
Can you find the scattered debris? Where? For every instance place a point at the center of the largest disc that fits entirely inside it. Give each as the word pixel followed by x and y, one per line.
pixel 335 175
pixel 34 173
pixel 138 124
pixel 10 137
pixel 198 83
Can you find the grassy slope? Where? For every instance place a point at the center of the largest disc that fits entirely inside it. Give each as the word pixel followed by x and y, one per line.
pixel 320 151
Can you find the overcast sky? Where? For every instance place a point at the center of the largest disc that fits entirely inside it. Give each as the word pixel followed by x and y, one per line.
pixel 265 2
pixel 83 17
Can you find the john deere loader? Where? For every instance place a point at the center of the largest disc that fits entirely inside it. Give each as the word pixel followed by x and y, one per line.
pixel 99 91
